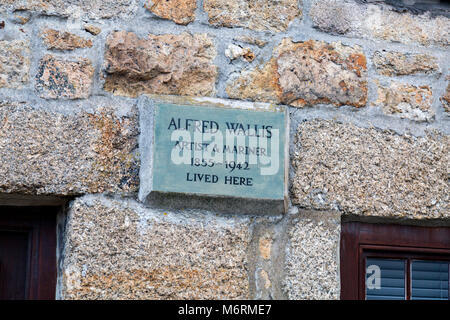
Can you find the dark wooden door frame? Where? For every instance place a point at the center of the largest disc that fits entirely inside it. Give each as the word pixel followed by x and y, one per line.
pixel 358 240
pixel 40 224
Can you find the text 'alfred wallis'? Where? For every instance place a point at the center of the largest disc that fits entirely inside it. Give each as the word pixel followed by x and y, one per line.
pixel 219 151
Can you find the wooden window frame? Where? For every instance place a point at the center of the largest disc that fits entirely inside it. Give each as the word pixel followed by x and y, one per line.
pixel 361 240
pixel 40 224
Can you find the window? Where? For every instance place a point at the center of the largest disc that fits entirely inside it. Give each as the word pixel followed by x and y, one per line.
pixel 27 252
pixel 394 262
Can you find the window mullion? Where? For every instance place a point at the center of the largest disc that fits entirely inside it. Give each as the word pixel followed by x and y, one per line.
pixel 408 279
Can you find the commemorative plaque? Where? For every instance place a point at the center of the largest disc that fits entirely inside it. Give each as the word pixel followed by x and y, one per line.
pixel 219 151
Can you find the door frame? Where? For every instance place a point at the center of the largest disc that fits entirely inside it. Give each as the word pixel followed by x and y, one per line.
pixel 40 224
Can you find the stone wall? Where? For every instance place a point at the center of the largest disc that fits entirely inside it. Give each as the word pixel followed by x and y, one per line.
pixel 367 89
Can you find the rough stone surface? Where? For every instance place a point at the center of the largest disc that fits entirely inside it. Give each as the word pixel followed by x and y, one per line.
pixel 59 40
pixel 166 64
pixel 445 99
pixel 307 73
pixel 122 250
pixel 20 17
pixel 180 11
pixel 257 15
pixel 259 84
pixel 233 52
pixel 265 277
pixel 92 29
pixel 399 64
pixel 370 172
pixel 379 22
pixel 312 257
pixel 14 63
pixel 251 40
pixel 265 247
pixel 62 79
pixel 46 152
pixel 94 9
pixel 406 101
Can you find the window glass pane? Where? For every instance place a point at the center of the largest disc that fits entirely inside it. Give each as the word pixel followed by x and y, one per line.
pixel 429 280
pixel 385 279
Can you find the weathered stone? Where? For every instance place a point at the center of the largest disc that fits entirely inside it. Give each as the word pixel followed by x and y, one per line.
pixel 370 172
pixel 14 63
pixel 20 17
pixel 265 277
pixel 406 101
pixel 179 11
pixel 62 79
pixel 312 257
pixel 257 15
pixel 376 21
pixel 260 84
pixel 265 247
pixel 233 52
pixel 445 99
pixel 47 152
pixel 307 73
pixel 122 250
pixel 94 9
pixel 92 29
pixel 251 40
pixel 59 40
pixel 399 64
pixel 166 64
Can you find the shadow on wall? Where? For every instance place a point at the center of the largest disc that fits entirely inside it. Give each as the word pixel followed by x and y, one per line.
pixel 434 7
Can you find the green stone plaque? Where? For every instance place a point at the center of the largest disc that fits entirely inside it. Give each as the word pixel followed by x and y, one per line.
pixel 219 151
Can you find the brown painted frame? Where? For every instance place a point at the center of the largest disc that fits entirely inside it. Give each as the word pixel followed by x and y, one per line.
pixel 361 240
pixel 40 224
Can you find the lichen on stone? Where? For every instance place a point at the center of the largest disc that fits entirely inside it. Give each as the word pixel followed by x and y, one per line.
pixel 14 63
pixel 370 172
pixel 47 152
pixel 64 79
pixel 63 40
pixel 305 74
pixel 180 11
pixel 128 257
pixel 165 64
pixel 257 15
